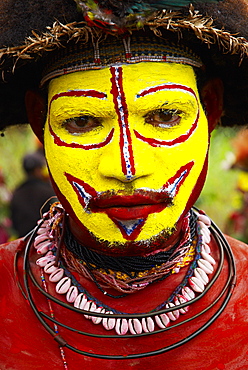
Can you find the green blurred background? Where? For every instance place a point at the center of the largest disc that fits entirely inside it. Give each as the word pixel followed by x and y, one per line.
pixel 219 196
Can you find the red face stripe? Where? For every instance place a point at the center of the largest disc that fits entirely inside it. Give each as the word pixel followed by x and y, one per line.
pixel 60 142
pixel 134 233
pixel 161 143
pixel 173 185
pixel 84 191
pixel 154 89
pixel 80 93
pixel 127 160
pixel 180 139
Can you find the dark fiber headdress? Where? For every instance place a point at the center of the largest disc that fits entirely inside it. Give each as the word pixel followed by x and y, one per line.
pixel 38 36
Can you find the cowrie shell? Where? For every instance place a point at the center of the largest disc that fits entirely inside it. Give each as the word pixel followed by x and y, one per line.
pixel 56 275
pixel 205 248
pixel 183 300
pixel 63 285
pixel 42 230
pixel 201 275
pixel 80 301
pixel 208 258
pixel 89 306
pixel 188 293
pixel 135 326
pixel 40 238
pixel 97 319
pixel 108 322
pixel 205 219
pixel 44 247
pixel 121 326
pixel 205 234
pixel 205 266
pixel 147 324
pixel 179 300
pixel 50 268
pixel 203 227
pixel 49 253
pixel 204 239
pixel 42 223
pixel 72 294
pixel 173 315
pixel 44 215
pixel 196 284
pixel 43 261
pixel 162 320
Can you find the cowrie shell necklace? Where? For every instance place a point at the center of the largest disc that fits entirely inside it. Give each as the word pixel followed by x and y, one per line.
pixel 202 266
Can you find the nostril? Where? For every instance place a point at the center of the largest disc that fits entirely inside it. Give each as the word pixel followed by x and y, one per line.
pixel 129 178
pixel 120 177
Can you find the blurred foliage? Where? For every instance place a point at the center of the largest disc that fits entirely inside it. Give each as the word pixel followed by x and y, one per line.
pixel 219 196
pixel 16 142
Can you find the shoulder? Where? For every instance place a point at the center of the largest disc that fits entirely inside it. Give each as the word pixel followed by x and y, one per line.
pixel 240 251
pixel 11 247
pixel 239 301
pixel 7 254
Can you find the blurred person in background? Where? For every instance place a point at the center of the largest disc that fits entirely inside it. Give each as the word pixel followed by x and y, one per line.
pixel 29 197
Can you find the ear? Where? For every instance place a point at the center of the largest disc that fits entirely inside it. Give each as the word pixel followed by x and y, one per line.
pixel 36 111
pixel 212 98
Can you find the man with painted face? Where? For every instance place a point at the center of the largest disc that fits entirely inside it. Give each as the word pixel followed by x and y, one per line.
pixel 124 272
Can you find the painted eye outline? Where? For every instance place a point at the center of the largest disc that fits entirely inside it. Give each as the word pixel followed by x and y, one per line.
pixel 174 118
pixel 89 123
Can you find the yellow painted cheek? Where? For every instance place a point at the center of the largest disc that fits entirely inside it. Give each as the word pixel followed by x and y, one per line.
pixel 196 149
pixel 83 165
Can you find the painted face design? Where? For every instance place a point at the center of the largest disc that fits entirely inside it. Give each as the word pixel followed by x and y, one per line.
pixel 126 147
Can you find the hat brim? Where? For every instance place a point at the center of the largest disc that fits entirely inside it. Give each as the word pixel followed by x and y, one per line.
pixel 224 54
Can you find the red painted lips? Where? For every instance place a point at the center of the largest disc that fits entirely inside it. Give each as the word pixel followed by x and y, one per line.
pixel 137 206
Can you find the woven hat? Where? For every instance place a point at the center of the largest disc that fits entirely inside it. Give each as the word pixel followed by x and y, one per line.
pixel 35 35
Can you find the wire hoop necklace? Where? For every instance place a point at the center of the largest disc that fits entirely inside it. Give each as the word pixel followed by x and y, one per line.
pixel 170 308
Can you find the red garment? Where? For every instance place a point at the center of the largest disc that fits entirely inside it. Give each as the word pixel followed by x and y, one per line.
pixel 26 345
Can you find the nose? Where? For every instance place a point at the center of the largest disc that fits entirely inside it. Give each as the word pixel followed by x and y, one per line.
pixel 126 164
pixel 120 161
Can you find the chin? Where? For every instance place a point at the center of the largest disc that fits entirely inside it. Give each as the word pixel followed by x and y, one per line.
pixel 157 242
pixel 162 240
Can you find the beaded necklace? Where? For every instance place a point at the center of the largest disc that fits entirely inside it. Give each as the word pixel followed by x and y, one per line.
pixel 132 273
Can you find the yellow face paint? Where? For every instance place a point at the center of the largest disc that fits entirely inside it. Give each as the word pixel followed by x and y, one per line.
pixel 126 147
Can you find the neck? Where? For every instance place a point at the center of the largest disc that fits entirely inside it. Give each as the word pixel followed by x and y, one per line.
pixel 130 248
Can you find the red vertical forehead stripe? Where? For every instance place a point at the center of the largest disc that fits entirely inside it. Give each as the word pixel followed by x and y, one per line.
pixel 127 159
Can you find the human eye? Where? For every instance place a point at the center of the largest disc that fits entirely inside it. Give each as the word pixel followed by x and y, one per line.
pixel 164 118
pixel 82 124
